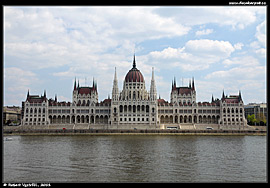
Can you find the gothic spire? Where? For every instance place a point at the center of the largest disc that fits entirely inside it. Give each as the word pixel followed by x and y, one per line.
pixel 153 90
pixel 115 75
pixel 193 85
pixel 134 62
pixel 240 97
pixel 115 92
pixel 75 84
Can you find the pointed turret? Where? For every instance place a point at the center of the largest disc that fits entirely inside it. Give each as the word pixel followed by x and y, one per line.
pixel 115 92
pixel 153 91
pixel 212 98
pixel 55 99
pixel 239 97
pixel 75 84
pixel 45 93
pixel 223 96
pixel 193 85
pixel 78 84
pixel 174 83
pixel 94 84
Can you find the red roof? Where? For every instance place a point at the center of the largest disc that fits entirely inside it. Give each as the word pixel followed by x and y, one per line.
pixel 134 75
pixel 35 99
pixel 160 101
pixel 232 100
pixel 106 101
pixel 85 90
pixel 183 90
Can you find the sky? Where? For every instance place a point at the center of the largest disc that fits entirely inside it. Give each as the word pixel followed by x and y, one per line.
pixel 222 47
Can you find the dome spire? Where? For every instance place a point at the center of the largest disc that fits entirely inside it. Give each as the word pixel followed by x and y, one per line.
pixel 134 62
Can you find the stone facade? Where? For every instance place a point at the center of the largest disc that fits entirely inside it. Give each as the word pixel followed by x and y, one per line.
pixel 134 107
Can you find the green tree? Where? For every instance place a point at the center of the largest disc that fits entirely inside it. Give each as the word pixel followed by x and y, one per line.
pixel 261 119
pixel 251 119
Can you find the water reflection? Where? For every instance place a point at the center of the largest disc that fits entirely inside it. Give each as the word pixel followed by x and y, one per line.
pixel 135 159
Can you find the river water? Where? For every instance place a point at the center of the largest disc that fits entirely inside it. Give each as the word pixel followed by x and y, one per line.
pixel 135 159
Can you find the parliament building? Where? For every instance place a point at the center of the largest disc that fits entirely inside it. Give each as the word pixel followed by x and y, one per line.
pixel 134 107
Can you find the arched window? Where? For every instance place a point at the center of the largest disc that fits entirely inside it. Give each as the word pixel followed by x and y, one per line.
pixel 228 111
pixel 147 108
pixel 134 95
pixel 121 108
pixel 138 108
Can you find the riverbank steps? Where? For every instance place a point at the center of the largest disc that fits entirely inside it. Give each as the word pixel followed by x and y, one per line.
pixel 108 132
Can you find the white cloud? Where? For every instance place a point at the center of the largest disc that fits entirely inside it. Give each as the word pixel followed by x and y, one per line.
pixel 261 33
pixel 249 79
pixel 204 32
pixel 194 55
pixel 209 48
pixel 229 73
pixel 261 52
pixel 243 61
pixel 16 84
pixel 91 41
pixel 239 73
pixel 54 37
pixel 238 46
pixel 236 17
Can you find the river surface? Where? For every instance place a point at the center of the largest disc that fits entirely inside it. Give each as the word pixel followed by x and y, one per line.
pixel 135 159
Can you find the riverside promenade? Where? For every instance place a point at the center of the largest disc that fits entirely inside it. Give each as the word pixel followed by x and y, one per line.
pixel 102 132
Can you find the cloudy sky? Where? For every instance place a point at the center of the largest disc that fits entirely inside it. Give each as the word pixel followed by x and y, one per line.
pixel 45 48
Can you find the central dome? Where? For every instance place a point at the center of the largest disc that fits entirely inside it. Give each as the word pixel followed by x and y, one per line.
pixel 134 75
